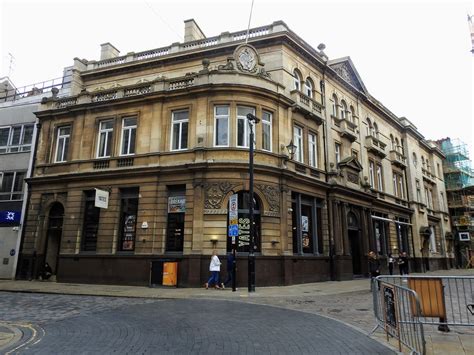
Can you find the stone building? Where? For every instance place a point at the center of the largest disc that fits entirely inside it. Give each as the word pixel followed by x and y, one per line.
pixel 162 138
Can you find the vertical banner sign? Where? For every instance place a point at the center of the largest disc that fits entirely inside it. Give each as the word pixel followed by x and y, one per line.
pixel 233 217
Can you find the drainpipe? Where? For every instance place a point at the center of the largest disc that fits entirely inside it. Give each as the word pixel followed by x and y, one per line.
pixel 26 206
pixel 332 270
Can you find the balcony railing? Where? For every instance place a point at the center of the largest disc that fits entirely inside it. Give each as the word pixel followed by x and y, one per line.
pixel 36 89
pixel 398 158
pixel 348 129
pixel 376 146
pixel 309 106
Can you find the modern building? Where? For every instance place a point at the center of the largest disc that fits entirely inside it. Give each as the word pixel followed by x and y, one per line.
pixel 138 164
pixel 459 179
pixel 17 142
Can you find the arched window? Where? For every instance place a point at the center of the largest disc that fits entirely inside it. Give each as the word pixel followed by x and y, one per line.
pixel 397 145
pixel 415 160
pixel 343 110
pixel 308 87
pixel 393 142
pixel 243 240
pixel 423 162
pixel 369 127
pixel 335 103
pixel 297 80
pixel 375 131
pixel 352 114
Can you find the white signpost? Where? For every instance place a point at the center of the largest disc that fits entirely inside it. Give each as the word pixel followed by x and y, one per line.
pixel 101 198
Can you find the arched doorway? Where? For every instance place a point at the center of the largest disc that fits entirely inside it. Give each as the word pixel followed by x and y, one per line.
pixel 353 233
pixel 243 240
pixel 53 236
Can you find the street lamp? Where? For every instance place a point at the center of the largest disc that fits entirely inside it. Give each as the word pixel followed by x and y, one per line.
pixel 252 120
pixel 291 149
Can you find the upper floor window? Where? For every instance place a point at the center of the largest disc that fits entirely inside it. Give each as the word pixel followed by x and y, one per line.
pixel 298 139
pixel 441 202
pixel 343 110
pixel 398 187
pixel 313 150
pixel 16 138
pixel 106 130
pixel 221 124
pixel 370 128
pixel 308 87
pixel 423 164
pixel 392 141
pixel 375 131
pixel 179 130
pixel 337 152
pixel 267 131
pixel 62 144
pixel 11 185
pixel 352 114
pixel 415 160
pixel 243 125
pixel 379 177
pixel 418 191
pixel 296 80
pixel 372 173
pixel 438 170
pixel 334 105
pixel 129 132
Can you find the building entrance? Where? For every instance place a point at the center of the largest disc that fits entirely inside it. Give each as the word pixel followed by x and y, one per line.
pixel 354 243
pixel 54 233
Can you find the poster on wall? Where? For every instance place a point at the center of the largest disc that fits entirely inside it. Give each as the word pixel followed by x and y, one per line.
pixel 304 224
pixel 129 232
pixel 176 204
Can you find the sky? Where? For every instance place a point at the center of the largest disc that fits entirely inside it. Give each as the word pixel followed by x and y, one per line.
pixel 413 56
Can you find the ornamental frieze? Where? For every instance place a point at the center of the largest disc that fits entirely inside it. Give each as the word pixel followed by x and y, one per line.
pixel 215 193
pixel 272 195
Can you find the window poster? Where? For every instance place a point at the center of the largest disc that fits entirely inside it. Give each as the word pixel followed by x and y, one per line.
pixel 129 225
pixel 176 204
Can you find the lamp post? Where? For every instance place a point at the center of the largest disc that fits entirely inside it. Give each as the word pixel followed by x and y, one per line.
pixel 252 120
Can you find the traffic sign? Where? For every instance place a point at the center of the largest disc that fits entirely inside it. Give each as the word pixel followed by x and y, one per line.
pixel 233 230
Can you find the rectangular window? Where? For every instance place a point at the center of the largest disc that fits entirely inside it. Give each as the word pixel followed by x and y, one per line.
pixel 379 177
pixel 313 150
pixel 372 173
pixel 221 126
pixel 381 240
pixel 129 131
pixel 433 248
pixel 267 131
pixel 62 143
pixel 441 201
pixel 179 133
pixel 175 220
pixel 298 139
pixel 401 186
pixel 395 185
pixel 11 185
pixel 104 147
pixel 243 125
pixel 91 222
pixel 398 188
pixel 418 191
pixel 16 138
pixel 128 218
pixel 337 152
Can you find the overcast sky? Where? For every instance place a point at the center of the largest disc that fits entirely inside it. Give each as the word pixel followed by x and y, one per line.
pixel 413 56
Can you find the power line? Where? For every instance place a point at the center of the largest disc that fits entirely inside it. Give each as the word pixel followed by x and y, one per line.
pixel 163 20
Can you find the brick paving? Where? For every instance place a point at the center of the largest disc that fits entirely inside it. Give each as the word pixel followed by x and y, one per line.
pixel 86 324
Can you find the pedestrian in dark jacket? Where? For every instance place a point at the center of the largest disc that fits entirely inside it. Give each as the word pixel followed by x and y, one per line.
pixel 230 270
pixel 403 263
pixel 374 265
pixel 391 262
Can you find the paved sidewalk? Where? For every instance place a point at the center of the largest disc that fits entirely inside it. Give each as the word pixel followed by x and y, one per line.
pixel 346 301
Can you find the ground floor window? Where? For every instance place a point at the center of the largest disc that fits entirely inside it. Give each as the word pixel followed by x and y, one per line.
pixel 91 222
pixel 128 218
pixel 175 220
pixel 306 218
pixel 402 228
pixel 381 234
pixel 243 238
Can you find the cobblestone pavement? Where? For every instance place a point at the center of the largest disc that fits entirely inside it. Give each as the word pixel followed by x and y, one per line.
pixel 87 324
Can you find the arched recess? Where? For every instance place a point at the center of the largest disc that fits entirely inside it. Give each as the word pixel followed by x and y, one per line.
pixel 355 242
pixel 54 235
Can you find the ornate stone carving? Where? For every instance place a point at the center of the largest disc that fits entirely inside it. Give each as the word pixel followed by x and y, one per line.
pixel 215 192
pixel 272 194
pixel 354 178
pixel 246 58
pixel 228 66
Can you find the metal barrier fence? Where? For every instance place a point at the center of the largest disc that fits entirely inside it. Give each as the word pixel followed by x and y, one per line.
pixel 397 309
pixel 444 300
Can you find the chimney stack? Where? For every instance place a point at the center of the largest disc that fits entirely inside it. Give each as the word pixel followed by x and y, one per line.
pixel 192 32
pixel 108 51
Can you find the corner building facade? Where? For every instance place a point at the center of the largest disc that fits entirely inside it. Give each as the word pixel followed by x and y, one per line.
pixel 165 133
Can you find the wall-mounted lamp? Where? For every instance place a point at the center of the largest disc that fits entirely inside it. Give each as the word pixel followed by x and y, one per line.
pixel 214 240
pixel 291 149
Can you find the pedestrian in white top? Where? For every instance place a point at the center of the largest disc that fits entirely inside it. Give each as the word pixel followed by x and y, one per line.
pixel 214 268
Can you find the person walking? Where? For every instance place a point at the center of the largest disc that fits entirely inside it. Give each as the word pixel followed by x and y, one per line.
pixel 214 268
pixel 230 270
pixel 374 267
pixel 391 263
pixel 403 263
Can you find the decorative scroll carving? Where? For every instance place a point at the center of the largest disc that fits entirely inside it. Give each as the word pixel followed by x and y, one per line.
pixel 228 66
pixel 354 178
pixel 215 192
pixel 272 194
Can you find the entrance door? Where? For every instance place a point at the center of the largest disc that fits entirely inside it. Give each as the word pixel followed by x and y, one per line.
pixel 54 233
pixel 355 251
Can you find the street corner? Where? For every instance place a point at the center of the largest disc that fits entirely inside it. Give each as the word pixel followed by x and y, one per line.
pixel 17 336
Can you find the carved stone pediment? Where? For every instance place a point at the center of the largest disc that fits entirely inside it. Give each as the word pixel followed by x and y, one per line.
pixel 347 71
pixel 350 168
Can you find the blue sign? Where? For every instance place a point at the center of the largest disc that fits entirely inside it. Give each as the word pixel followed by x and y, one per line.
pixel 12 252
pixel 10 216
pixel 233 230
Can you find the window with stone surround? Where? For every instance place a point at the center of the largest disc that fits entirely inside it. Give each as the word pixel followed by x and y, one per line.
pixel 105 139
pixel 243 125
pixel 267 119
pixel 179 130
pixel 221 126
pixel 129 132
pixel 62 144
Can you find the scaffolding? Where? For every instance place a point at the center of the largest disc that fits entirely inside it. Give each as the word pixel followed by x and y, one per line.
pixel 457 168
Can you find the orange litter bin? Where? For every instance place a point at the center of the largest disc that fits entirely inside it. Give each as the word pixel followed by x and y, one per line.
pixel 170 273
